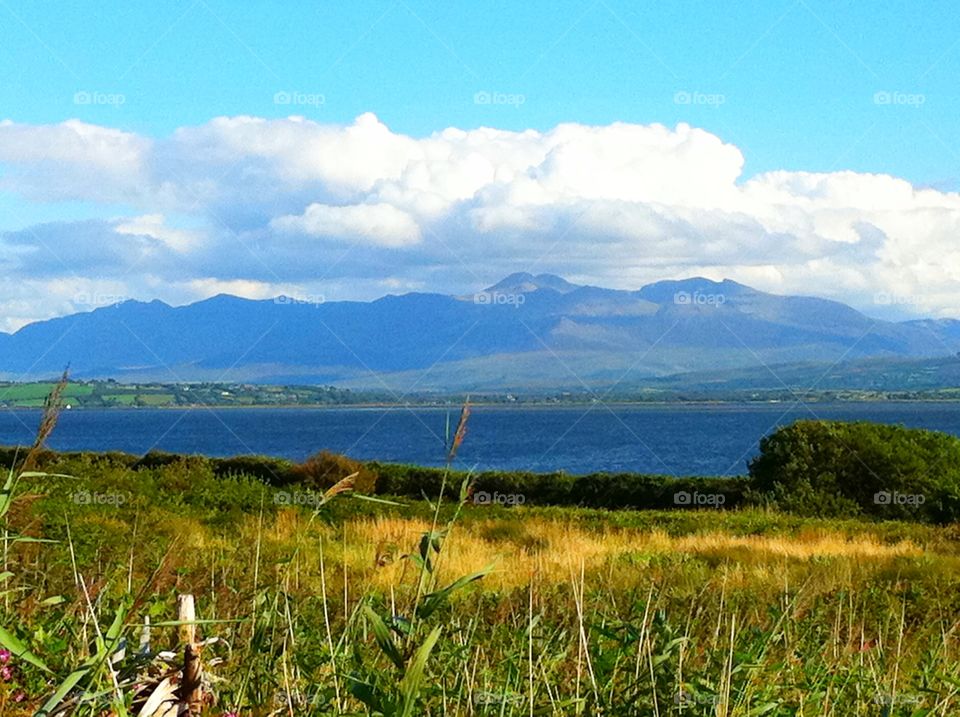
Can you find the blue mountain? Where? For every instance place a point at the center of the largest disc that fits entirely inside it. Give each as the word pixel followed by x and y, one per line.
pixel 524 331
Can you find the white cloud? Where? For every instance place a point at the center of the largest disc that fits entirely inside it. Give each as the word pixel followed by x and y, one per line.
pixel 291 201
pixel 154 225
pixel 380 224
pixel 72 160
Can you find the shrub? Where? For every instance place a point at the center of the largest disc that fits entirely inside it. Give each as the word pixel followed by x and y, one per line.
pixel 324 469
pixel 273 471
pixel 836 467
pixel 158 459
pixel 595 490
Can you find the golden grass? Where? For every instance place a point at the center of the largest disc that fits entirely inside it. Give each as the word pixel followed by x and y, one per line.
pixel 554 550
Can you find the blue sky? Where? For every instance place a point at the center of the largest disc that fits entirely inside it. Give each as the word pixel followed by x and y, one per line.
pixel 797 146
pixel 797 78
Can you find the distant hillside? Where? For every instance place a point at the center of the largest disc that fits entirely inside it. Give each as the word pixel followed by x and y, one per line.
pixel 524 332
pixel 940 374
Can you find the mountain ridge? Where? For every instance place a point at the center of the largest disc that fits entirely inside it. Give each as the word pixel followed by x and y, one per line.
pixel 525 330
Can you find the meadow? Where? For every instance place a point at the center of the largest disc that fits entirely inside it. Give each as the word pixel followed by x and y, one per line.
pixel 319 597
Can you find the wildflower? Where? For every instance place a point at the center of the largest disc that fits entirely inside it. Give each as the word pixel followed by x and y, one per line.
pixel 4 657
pixel 6 673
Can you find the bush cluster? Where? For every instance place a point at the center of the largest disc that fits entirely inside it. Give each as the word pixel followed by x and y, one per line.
pixel 837 468
pixel 594 490
pixel 809 468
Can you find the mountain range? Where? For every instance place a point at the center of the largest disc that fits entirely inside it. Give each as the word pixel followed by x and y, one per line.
pixel 524 332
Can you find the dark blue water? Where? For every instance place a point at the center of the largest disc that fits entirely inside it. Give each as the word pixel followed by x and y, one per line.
pixel 676 440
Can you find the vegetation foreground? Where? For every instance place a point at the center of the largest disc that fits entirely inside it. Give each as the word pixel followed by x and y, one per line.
pixel 319 602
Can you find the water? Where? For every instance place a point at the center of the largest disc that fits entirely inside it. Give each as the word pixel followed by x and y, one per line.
pixel 675 439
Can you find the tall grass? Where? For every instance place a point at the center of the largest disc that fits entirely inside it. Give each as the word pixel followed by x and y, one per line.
pixel 347 606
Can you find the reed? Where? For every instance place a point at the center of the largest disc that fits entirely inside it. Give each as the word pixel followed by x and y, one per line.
pixel 343 605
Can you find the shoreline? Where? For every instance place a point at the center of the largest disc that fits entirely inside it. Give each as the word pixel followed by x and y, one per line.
pixel 694 403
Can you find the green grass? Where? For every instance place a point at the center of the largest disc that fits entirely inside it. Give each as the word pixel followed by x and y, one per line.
pixel 29 391
pixel 27 402
pixel 155 399
pixel 584 611
pixel 121 399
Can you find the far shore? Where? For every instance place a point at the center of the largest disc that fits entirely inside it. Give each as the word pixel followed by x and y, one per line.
pixel 517 405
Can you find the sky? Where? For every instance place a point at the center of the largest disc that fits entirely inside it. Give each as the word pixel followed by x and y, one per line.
pixel 182 149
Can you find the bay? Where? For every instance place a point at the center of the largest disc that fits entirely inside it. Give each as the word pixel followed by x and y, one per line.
pixel 671 439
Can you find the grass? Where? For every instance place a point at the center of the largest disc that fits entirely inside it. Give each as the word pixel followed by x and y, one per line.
pixel 120 399
pixel 329 604
pixel 585 611
pixel 39 391
pixel 156 399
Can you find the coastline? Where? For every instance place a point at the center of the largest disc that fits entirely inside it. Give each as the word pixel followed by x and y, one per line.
pixel 519 405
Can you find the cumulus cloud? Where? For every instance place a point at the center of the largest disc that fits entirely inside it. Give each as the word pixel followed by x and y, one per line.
pixel 250 205
pixel 72 160
pixel 380 224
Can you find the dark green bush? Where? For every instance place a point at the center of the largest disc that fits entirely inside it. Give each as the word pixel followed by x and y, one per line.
pixel 49 460
pixel 810 468
pixel 273 471
pixel 843 468
pixel 157 459
pixel 596 490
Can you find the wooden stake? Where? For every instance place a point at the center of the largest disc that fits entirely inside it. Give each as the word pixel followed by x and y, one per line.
pixel 190 692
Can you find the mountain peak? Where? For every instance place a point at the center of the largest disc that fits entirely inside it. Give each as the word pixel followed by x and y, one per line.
pixel 665 291
pixel 523 282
